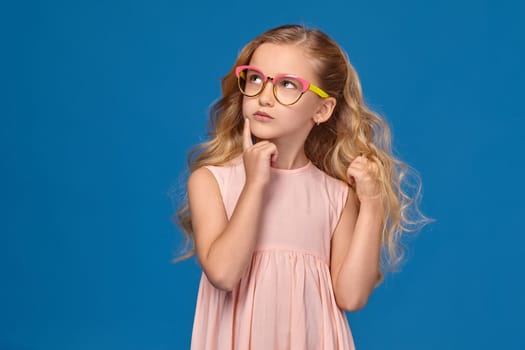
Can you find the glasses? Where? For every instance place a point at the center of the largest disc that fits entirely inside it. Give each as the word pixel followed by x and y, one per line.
pixel 287 88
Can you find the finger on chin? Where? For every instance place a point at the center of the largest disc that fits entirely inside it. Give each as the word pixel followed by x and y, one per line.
pixel 247 135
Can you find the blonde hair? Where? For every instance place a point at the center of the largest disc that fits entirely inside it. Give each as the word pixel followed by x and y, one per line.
pixel 353 129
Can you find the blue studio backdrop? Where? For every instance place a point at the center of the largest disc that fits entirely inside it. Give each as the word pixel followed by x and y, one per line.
pixel 100 102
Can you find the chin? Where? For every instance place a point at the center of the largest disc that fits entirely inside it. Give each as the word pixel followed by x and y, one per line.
pixel 262 133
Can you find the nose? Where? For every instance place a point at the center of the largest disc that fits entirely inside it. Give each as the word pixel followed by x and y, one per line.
pixel 266 97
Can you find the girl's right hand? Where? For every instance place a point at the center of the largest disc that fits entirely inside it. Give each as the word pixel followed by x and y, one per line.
pixel 257 158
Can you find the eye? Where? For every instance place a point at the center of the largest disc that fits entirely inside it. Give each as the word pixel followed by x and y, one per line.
pixel 287 83
pixel 254 77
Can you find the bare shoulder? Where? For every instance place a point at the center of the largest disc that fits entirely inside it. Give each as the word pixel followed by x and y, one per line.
pixel 349 213
pixel 201 177
pixel 208 214
pixel 203 192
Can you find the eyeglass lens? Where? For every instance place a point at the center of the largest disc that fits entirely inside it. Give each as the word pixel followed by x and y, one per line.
pixel 287 90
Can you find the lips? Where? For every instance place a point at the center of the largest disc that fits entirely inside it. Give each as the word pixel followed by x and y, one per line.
pixel 262 115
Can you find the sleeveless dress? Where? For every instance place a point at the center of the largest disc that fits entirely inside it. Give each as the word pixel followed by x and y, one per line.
pixel 285 298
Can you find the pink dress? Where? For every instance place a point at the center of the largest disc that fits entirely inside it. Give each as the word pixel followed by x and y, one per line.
pixel 285 299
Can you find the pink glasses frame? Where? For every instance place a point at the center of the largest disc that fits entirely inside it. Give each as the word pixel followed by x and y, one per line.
pixel 306 84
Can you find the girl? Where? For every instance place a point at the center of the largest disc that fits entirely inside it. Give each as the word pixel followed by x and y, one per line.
pixel 291 200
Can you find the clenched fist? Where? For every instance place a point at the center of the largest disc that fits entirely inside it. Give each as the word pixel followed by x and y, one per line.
pixel 363 176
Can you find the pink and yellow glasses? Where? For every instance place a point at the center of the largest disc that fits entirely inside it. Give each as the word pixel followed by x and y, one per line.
pixel 287 88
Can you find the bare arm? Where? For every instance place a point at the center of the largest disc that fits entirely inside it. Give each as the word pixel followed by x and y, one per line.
pixel 225 248
pixel 356 243
pixel 356 246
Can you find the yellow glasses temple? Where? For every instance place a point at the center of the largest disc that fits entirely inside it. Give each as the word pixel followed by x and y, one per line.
pixel 318 91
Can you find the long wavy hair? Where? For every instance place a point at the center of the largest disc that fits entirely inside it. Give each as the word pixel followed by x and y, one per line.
pixel 353 129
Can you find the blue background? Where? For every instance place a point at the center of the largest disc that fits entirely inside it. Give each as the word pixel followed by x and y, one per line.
pixel 100 102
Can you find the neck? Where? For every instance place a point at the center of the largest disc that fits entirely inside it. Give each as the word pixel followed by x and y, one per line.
pixel 290 156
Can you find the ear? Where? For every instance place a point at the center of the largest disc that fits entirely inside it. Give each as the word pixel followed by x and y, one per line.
pixel 324 110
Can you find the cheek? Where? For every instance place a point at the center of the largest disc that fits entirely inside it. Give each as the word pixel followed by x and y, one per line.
pixel 245 107
pixel 307 109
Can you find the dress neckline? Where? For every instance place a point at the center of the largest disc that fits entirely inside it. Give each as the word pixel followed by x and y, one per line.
pixel 292 171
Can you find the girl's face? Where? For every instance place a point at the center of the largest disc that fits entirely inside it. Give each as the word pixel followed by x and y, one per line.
pixel 270 120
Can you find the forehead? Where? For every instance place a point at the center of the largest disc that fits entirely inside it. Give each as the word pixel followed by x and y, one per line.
pixel 283 59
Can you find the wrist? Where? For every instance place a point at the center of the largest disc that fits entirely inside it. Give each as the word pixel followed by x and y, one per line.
pixel 255 188
pixel 372 203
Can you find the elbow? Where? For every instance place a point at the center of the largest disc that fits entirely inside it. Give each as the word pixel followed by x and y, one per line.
pixel 223 285
pixel 354 305
pixel 221 273
pixel 219 276
pixel 353 294
pixel 352 302
pixel 222 281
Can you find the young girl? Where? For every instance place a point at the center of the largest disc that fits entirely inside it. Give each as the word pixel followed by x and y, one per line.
pixel 292 200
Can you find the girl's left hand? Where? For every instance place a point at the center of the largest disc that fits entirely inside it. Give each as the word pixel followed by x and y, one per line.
pixel 363 176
